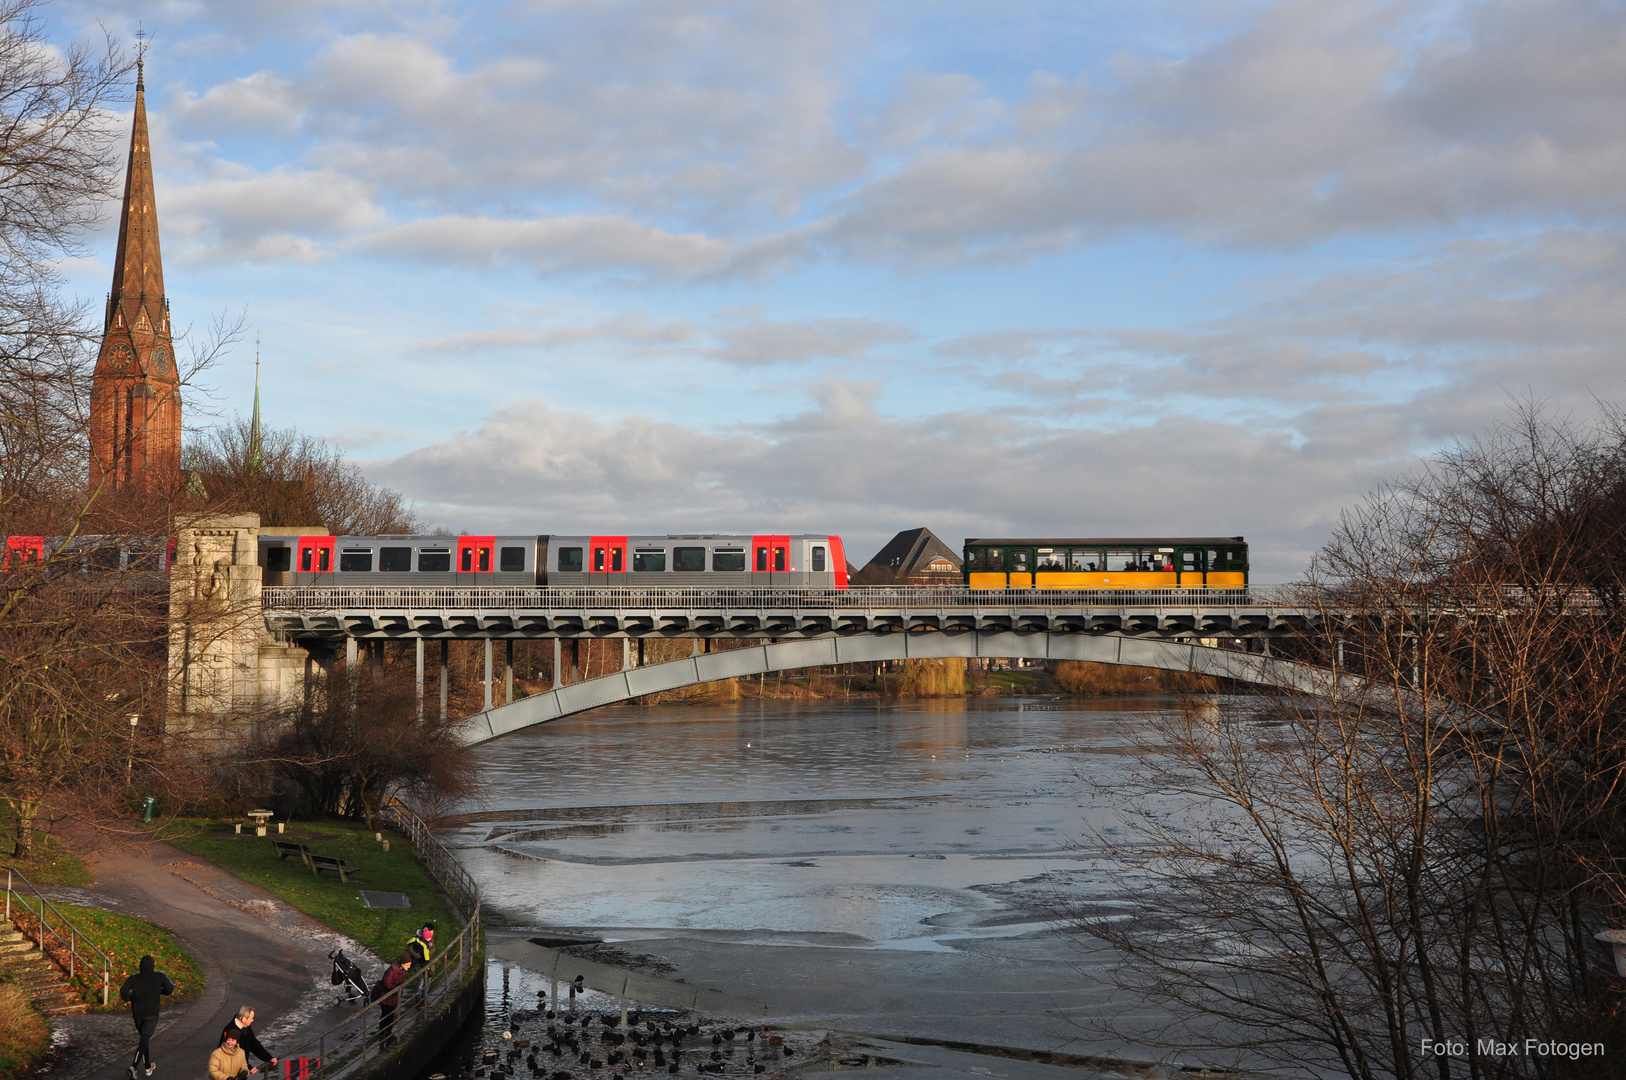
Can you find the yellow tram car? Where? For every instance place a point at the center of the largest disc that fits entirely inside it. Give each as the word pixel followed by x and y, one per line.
pixel 1191 562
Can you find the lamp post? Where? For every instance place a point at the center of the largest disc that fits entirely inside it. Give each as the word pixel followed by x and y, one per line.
pixel 129 759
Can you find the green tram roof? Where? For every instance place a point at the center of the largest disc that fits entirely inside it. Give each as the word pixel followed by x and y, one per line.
pixel 1110 541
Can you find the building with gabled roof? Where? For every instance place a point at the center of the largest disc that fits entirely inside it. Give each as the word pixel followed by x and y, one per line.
pixel 913 557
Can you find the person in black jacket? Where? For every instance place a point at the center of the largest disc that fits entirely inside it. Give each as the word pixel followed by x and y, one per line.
pixel 241 1028
pixel 143 990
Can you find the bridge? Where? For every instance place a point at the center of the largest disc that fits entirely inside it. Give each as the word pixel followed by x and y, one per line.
pixel 1217 632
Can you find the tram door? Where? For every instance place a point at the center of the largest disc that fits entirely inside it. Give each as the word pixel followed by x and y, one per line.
pixel 770 561
pixel 474 564
pixel 315 557
pixel 607 560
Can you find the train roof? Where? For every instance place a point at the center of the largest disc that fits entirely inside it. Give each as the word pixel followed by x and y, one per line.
pixel 1107 541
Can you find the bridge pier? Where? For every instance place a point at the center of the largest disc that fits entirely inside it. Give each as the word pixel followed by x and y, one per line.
pixel 508 672
pixel 418 676
pixel 558 653
pixel 488 673
pixel 445 681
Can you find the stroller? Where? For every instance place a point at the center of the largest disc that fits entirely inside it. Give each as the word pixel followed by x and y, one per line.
pixel 347 973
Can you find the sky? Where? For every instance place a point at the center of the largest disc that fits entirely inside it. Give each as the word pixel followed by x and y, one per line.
pixel 1082 268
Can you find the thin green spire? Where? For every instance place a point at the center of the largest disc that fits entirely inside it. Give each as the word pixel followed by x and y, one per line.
pixel 256 451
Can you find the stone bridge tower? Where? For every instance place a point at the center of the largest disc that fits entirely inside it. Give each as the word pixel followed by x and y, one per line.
pixel 135 404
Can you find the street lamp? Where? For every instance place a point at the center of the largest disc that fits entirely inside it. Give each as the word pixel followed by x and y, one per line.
pixel 129 760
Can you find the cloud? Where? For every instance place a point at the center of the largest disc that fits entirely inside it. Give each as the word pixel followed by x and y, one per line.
pixel 763 342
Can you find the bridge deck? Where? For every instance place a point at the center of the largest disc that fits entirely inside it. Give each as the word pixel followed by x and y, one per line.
pixel 451 612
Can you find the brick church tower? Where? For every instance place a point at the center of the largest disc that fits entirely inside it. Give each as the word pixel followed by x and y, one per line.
pixel 135 404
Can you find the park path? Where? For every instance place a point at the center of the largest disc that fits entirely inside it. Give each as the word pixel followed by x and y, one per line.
pixel 252 948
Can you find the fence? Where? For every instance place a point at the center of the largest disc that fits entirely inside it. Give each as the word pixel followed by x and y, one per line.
pixel 82 954
pixel 368 1035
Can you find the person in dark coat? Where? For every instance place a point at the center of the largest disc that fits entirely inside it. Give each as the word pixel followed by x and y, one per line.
pixel 390 995
pixel 241 1028
pixel 143 991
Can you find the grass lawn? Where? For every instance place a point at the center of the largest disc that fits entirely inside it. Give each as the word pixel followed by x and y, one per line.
pixel 52 864
pixel 327 900
pixel 124 938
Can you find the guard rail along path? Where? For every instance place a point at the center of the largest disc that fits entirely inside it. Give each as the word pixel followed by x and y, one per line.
pixel 356 1046
pixel 52 925
pixel 475 612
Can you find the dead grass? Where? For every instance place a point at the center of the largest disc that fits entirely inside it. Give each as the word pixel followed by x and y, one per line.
pixel 1080 678
pixel 24 1034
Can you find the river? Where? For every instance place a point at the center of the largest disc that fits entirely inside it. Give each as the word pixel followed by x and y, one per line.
pixel 885 866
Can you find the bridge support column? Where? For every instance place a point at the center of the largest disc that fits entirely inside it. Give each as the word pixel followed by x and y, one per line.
pixel 418 678
pixel 558 658
pixel 350 656
pixel 696 647
pixel 508 672
pixel 626 653
pixel 575 665
pixel 445 681
pixel 488 673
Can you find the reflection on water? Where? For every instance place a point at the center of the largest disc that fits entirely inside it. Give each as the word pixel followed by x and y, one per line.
pixel 899 825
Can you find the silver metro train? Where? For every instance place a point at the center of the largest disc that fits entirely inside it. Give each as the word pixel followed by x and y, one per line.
pixel 718 561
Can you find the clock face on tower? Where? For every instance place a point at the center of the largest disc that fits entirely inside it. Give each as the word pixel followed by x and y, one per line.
pixel 160 362
pixel 121 358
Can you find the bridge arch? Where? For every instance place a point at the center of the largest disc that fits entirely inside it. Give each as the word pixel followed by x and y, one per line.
pixel 869 648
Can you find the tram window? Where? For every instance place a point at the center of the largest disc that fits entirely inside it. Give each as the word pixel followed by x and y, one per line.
pixel 358 561
pixel 1019 561
pixel 1051 559
pixel 762 560
pixel 394 560
pixel 1084 560
pixel 513 560
pixel 728 560
pixel 1188 562
pixel 818 559
pixel 279 559
pixel 1213 559
pixel 779 559
pixel 434 562
pixel 973 559
pixel 996 559
pixel 570 560
pixel 1123 560
pixel 644 561
pixel 689 560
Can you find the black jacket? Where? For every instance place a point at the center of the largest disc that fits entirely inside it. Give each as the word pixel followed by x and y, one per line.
pixel 143 989
pixel 245 1039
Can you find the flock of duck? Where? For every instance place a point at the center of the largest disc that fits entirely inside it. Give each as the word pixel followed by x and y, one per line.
pixel 597 1047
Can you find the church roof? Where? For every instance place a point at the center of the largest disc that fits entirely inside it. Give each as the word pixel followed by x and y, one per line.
pixel 138 266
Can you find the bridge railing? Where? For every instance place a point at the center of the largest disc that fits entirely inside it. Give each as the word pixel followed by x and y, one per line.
pixel 870 598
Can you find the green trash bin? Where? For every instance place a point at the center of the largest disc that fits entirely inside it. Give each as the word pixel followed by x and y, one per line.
pixel 149 807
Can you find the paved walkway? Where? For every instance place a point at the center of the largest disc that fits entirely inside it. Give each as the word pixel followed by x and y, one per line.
pixel 253 950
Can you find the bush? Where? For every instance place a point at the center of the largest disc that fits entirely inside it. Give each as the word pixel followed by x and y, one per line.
pixel 1082 678
pixel 24 1034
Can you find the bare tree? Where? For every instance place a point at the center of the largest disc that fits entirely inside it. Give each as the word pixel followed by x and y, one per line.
pixel 1403 876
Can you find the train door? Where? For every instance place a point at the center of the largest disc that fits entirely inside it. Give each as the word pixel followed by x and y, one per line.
pixel 314 561
pixel 816 571
pixel 22 550
pixel 607 560
pixel 770 560
pixel 474 564
pixel 1190 562
pixel 1019 567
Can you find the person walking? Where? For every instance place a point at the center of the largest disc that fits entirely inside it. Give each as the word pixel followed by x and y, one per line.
pixel 390 996
pixel 228 1062
pixel 419 948
pixel 143 991
pixel 241 1028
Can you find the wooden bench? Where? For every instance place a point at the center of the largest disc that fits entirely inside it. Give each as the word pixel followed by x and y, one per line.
pixel 319 863
pixel 286 848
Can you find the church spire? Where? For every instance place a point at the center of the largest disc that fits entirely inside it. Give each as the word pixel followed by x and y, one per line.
pixel 256 449
pixel 135 392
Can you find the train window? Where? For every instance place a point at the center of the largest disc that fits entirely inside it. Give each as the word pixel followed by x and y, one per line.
pixel 818 559
pixel 762 560
pixel 356 560
pixel 570 560
pixel 779 559
pixel 1052 559
pixel 1019 561
pixel 598 560
pixel 616 555
pixel 643 561
pixel 475 560
pixel 1084 560
pixel 688 560
pixel 279 559
pixel 434 562
pixel 106 557
pixel 996 559
pixel 1123 560
pixel 513 560
pixel 394 560
pixel 733 559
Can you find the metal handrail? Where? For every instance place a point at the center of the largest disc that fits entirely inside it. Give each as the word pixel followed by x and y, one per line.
pixel 75 936
pixel 361 1038
pixel 698 598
